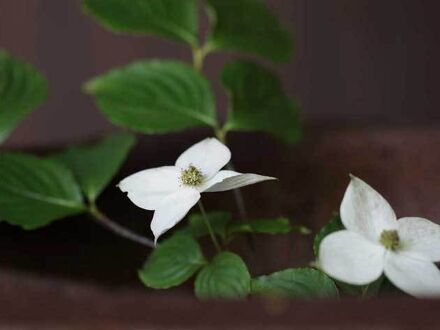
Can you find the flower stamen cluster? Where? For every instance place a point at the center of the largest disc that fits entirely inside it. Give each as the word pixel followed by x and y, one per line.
pixel 390 240
pixel 192 176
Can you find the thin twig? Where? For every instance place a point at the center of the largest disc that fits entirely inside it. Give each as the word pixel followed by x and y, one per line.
pixel 117 229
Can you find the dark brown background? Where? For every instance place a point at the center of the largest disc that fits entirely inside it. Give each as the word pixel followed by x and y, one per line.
pixel 357 62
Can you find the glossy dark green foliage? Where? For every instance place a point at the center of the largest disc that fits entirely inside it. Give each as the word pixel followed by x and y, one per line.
pixel 296 283
pixel 94 166
pixel 22 89
pixel 174 19
pixel 173 262
pixel 248 26
pixel 258 102
pixel 154 97
pixel 225 277
pixel 35 191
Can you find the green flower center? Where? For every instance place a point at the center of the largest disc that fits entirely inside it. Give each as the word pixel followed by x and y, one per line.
pixel 390 239
pixel 191 176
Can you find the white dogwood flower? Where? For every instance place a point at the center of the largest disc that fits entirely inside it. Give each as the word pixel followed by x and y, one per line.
pixel 375 242
pixel 171 191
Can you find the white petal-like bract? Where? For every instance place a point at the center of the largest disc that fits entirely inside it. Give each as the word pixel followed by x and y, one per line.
pixel 237 181
pixel 365 211
pixel 208 156
pixel 421 236
pixel 415 276
pixel 351 258
pixel 148 188
pixel 173 209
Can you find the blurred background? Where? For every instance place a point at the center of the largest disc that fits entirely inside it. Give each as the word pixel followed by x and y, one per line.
pixel 363 62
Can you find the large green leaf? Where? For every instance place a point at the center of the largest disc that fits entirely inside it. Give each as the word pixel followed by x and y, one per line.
pixel 35 192
pixel 226 277
pixel 22 89
pixel 248 26
pixel 259 102
pixel 155 97
pixel 94 166
pixel 262 226
pixel 335 224
pixel 175 19
pixel 297 283
pixel 172 262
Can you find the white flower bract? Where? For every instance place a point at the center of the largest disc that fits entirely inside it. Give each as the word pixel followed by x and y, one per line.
pixel 171 191
pixel 375 242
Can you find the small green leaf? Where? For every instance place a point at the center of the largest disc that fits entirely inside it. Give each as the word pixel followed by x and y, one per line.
pixel 335 224
pixel 259 102
pixel 22 89
pixel 94 166
pixel 173 262
pixel 262 226
pixel 296 283
pixel 226 277
pixel 248 26
pixel 154 97
pixel 175 19
pixel 35 192
pixel 218 221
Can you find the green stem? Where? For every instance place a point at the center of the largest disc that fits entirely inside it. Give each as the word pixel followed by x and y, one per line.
pixel 117 229
pixel 210 230
pixel 199 54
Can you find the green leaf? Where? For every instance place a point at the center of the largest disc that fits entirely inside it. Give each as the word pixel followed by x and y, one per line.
pixel 335 224
pixel 172 262
pixel 262 226
pixel 259 102
pixel 248 26
pixel 218 221
pixel 94 166
pixel 175 19
pixel 226 277
pixel 296 283
pixel 35 192
pixel 22 89
pixel 154 97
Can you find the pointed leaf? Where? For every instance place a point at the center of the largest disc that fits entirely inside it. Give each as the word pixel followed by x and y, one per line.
pixel 175 19
pixel 94 166
pixel 154 97
pixel 35 192
pixel 259 102
pixel 226 277
pixel 248 26
pixel 22 89
pixel 296 283
pixel 173 262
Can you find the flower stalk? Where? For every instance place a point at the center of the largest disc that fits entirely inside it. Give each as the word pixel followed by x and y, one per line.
pixel 117 229
pixel 208 225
